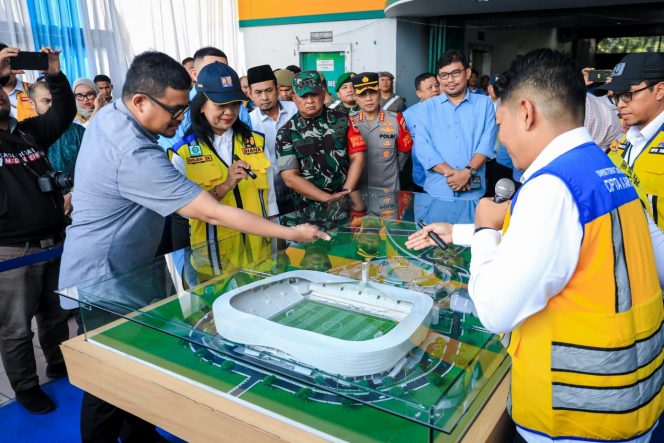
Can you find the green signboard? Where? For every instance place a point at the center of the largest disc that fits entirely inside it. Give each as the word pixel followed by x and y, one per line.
pixel 330 64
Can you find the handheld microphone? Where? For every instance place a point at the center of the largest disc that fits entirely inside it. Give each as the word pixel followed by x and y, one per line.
pixel 504 190
pixel 433 236
pixel 251 173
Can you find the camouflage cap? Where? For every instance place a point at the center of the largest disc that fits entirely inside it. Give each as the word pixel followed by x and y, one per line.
pixel 284 77
pixel 346 77
pixel 308 82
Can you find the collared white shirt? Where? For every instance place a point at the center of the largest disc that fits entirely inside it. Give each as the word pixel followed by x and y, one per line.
pixel 223 145
pixel 13 97
pixel 537 256
pixel 261 122
pixel 638 138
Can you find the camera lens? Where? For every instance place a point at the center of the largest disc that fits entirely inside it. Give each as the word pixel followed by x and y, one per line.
pixel 63 180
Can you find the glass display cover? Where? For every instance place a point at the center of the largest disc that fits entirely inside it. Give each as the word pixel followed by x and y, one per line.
pixel 358 337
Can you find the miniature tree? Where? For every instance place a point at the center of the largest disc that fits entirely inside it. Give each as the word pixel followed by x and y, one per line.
pixel 397 391
pixel 320 380
pixel 228 365
pixel 387 381
pixel 304 394
pixel 435 379
pixel 346 402
pixel 269 380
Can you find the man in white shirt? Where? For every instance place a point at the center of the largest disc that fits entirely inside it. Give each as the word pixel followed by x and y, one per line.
pixel 572 279
pixel 270 115
pixel 637 86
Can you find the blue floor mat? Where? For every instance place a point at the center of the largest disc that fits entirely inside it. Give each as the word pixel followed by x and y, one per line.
pixel 60 426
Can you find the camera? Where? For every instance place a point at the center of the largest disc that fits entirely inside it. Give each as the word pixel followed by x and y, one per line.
pixel 55 180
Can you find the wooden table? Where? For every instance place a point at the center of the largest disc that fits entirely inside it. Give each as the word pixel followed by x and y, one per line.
pixel 196 414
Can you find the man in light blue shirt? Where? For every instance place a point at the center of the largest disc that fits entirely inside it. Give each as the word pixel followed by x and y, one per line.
pixel 456 135
pixel 426 87
pixel 269 115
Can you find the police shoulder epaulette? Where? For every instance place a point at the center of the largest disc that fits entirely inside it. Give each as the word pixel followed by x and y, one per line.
pixel 187 139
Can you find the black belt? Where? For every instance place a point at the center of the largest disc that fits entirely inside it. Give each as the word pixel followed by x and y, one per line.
pixel 43 243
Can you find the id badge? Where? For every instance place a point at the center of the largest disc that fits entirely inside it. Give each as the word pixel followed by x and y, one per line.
pixel 475 182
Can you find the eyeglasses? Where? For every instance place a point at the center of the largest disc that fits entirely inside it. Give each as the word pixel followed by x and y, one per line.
pixel 626 96
pixel 175 112
pixel 455 74
pixel 89 96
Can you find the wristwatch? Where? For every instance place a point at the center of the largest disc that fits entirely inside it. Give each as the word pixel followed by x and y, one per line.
pixel 472 170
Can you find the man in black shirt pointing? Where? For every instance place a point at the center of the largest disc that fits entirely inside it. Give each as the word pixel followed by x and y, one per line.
pixel 31 221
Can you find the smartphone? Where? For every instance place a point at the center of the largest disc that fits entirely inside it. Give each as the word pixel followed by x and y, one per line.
pixel 599 75
pixel 30 61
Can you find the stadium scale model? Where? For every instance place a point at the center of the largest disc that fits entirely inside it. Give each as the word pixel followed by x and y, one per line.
pixel 338 325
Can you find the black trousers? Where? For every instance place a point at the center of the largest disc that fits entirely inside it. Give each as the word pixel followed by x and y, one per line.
pixel 25 293
pixel 101 422
pixel 179 232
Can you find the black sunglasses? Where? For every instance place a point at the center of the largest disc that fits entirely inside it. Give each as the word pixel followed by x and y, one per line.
pixel 175 112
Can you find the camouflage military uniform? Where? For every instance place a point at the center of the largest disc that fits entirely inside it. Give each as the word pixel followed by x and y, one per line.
pixel 338 105
pixel 320 148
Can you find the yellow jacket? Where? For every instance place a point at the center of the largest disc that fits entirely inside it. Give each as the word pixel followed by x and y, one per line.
pixel 24 108
pixel 589 365
pixel 226 247
pixel 647 174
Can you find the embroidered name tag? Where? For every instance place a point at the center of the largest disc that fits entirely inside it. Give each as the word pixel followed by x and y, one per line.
pixel 251 150
pixel 203 159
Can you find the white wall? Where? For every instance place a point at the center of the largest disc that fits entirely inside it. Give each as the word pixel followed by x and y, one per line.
pixel 507 44
pixel 373 43
pixel 412 58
